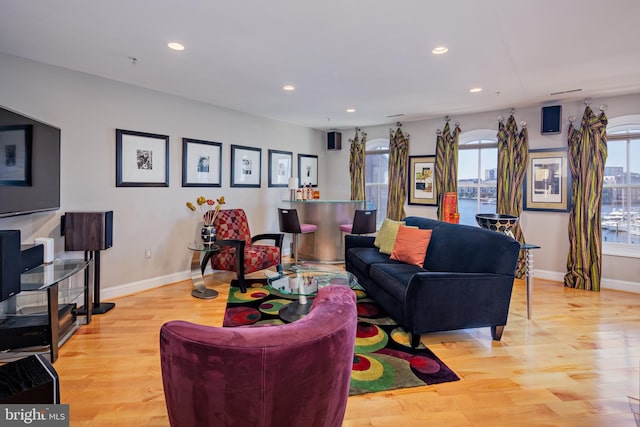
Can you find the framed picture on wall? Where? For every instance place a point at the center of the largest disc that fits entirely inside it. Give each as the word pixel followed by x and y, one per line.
pixel 422 188
pixel 280 164
pixel 201 163
pixel 245 166
pixel 547 183
pixel 15 155
pixel 308 169
pixel 142 159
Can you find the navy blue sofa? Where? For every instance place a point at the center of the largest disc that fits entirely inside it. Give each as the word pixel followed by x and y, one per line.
pixel 466 281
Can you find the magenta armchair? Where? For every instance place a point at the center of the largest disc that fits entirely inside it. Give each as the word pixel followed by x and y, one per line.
pixel 297 374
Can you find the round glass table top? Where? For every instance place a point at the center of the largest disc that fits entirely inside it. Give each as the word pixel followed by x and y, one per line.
pixel 203 247
pixel 307 282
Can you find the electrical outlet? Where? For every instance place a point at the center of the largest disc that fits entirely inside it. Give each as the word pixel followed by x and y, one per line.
pixel 147 253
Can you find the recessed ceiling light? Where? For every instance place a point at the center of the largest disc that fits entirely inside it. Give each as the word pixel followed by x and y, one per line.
pixel 440 50
pixel 351 110
pixel 288 88
pixel 175 46
pixel 475 90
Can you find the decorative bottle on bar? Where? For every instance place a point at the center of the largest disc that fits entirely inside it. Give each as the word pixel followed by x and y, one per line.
pixel 309 192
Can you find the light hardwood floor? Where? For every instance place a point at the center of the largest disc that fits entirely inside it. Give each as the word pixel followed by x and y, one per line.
pixel 573 364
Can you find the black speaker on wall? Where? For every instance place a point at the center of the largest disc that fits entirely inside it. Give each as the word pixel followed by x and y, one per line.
pixel 551 118
pixel 334 141
pixel 10 263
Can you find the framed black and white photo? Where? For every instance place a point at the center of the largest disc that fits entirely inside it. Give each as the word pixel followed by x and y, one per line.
pixel 280 164
pixel 15 155
pixel 308 170
pixel 246 166
pixel 201 163
pixel 547 184
pixel 422 188
pixel 142 159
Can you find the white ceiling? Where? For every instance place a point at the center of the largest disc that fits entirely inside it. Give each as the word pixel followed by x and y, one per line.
pixel 374 56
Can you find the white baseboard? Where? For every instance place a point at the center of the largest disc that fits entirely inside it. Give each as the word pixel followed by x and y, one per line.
pixel 154 282
pixel 143 285
pixel 611 284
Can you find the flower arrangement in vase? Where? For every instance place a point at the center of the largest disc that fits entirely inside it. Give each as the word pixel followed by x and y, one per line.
pixel 209 209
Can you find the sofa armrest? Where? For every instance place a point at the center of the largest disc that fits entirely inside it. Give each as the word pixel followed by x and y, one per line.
pixel 443 300
pixel 355 241
pixel 358 241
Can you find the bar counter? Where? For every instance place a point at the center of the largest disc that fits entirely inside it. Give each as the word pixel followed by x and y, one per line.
pixel 326 244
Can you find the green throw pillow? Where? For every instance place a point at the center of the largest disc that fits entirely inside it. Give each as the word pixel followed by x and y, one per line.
pixel 386 237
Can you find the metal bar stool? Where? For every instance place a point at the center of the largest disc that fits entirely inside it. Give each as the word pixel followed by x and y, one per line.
pixel 364 222
pixel 289 223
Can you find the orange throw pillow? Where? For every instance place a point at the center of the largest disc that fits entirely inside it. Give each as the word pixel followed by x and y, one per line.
pixel 411 245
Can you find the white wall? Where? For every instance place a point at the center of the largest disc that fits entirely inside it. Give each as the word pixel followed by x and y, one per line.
pixel 88 109
pixel 547 229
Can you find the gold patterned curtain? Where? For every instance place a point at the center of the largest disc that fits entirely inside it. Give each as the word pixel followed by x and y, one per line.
pixel 513 158
pixel 357 166
pixel 587 156
pixel 398 162
pixel 446 164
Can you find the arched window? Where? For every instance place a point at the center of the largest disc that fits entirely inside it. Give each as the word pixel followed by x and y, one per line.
pixel 377 175
pixel 477 174
pixel 621 188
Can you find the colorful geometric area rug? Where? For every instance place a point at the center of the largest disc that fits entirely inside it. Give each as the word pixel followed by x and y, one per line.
pixel 383 358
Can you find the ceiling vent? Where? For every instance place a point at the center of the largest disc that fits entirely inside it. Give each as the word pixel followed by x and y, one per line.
pixel 562 92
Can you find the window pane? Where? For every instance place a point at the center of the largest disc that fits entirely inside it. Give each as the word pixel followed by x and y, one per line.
pixel 614 170
pixel 634 191
pixel 377 183
pixel 634 160
pixel 621 193
pixel 488 180
pixel 468 203
pixel 477 183
pixel 618 224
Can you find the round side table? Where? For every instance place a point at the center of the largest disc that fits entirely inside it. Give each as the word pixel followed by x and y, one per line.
pixel 201 256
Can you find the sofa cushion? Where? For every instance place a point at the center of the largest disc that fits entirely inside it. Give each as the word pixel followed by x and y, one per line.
pixel 411 245
pixel 386 237
pixel 363 258
pixel 394 277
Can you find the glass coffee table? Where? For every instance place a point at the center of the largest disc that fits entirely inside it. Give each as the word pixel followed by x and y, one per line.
pixel 305 284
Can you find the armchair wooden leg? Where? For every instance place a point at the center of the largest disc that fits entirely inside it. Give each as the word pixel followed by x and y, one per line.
pixel 415 340
pixel 242 283
pixel 240 269
pixel 496 332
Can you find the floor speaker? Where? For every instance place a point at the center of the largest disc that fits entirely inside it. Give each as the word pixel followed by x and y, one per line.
pixel 31 380
pixel 551 118
pixel 88 231
pixel 334 141
pixel 91 232
pixel 10 263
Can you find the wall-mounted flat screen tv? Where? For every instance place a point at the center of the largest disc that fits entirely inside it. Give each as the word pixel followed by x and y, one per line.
pixel 29 165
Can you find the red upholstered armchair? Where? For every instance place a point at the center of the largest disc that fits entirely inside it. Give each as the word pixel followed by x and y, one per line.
pixel 238 250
